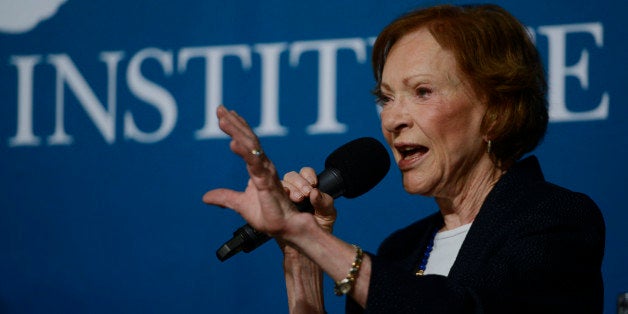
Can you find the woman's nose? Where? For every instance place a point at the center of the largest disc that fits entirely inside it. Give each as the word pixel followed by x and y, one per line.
pixel 395 117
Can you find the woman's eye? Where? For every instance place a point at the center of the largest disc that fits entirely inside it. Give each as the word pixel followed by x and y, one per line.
pixel 423 92
pixel 382 99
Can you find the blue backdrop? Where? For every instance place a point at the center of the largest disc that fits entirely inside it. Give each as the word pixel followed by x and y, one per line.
pixel 108 140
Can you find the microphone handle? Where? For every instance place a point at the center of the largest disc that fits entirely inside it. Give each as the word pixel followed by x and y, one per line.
pixel 248 239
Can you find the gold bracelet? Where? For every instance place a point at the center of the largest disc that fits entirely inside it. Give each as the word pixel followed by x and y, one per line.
pixel 344 286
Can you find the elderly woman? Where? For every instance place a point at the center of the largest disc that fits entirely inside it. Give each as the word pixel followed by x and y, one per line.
pixel 462 95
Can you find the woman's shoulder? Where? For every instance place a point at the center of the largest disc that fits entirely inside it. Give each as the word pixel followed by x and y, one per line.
pixel 553 203
pixel 525 194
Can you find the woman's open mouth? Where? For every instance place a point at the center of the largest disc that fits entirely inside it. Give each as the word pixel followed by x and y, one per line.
pixel 410 154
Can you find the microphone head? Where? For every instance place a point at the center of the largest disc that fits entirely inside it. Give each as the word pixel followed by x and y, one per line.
pixel 362 164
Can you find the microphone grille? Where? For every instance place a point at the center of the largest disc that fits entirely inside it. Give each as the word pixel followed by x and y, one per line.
pixel 362 164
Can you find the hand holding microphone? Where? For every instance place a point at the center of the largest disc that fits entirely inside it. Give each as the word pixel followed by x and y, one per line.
pixel 303 186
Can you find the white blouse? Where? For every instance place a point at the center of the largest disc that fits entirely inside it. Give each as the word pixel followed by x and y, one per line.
pixel 446 247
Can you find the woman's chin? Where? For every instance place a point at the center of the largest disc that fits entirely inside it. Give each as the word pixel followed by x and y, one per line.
pixel 414 186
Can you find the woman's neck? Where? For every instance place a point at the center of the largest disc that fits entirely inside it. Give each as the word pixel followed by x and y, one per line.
pixel 462 206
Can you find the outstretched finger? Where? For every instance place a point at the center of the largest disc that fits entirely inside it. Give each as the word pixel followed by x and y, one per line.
pixel 221 197
pixel 245 143
pixel 243 138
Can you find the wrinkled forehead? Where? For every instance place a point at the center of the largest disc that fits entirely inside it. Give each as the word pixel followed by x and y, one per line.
pixel 419 54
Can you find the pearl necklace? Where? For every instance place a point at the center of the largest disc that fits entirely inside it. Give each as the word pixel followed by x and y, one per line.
pixel 421 269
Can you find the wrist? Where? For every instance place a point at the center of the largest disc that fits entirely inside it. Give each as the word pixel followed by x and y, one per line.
pixel 299 227
pixel 345 285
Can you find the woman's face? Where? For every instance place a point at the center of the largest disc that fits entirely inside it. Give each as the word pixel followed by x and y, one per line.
pixel 430 117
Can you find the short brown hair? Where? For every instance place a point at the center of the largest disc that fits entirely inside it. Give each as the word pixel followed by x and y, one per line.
pixel 494 52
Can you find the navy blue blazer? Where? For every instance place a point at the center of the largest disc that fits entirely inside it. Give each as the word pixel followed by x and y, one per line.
pixel 534 247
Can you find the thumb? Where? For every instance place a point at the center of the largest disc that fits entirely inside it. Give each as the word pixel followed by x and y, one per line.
pixel 323 204
pixel 220 197
pixel 324 210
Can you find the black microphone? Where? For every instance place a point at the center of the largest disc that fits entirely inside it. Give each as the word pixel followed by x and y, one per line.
pixel 350 171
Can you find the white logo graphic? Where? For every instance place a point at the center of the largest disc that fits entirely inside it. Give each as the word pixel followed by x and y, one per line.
pixel 21 16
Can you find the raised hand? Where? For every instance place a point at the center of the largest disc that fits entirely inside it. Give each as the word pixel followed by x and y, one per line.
pixel 264 203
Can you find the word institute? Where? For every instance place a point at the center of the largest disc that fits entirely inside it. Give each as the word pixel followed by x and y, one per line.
pixel 147 73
